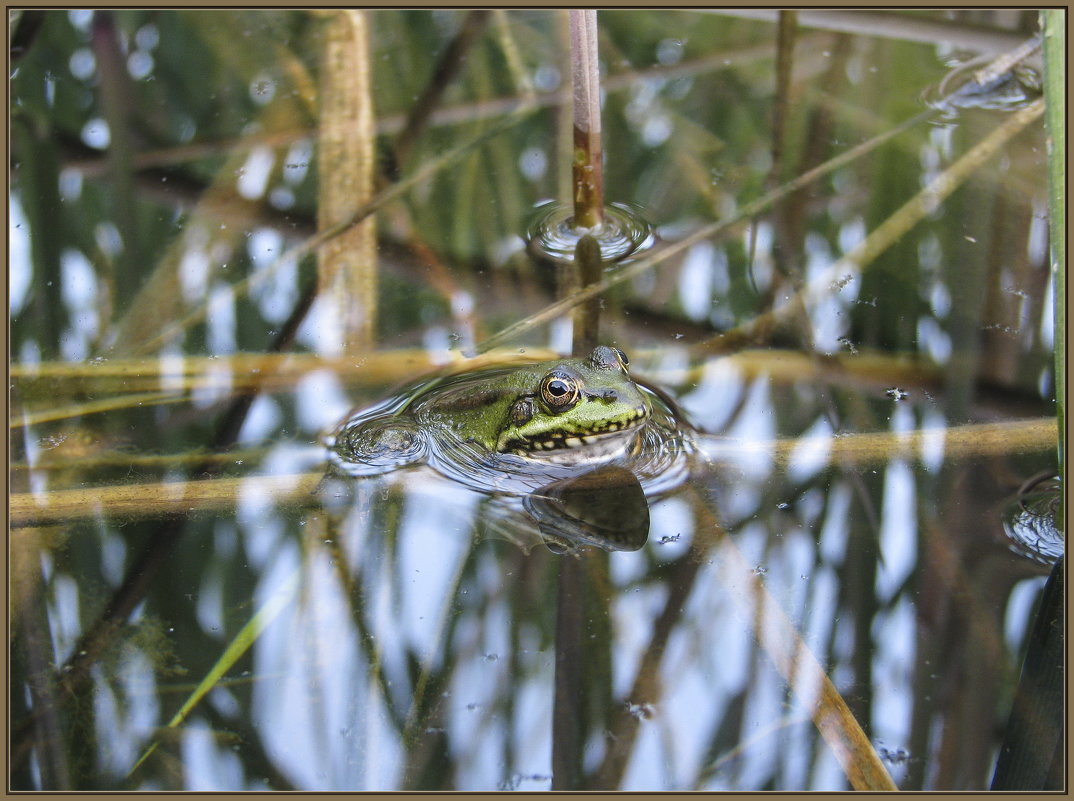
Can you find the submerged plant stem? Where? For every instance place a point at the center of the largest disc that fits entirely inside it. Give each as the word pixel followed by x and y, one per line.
pixel 567 734
pixel 587 263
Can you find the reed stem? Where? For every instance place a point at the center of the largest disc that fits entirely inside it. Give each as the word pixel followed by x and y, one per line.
pixel 346 264
pixel 1055 90
pixel 587 169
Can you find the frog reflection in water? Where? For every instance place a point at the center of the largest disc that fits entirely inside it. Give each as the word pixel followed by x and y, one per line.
pixel 570 435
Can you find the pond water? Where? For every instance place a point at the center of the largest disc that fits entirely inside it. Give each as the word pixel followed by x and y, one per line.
pixel 837 590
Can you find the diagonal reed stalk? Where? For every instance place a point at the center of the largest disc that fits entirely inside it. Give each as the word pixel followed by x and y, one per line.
pixel 880 239
pixel 778 636
pixel 445 71
pixel 312 244
pixel 799 667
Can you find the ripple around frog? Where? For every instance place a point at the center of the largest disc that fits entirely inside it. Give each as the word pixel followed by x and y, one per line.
pixel 382 439
pixel 377 440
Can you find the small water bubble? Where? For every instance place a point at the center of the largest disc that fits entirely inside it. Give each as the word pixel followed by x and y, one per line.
pixel 760 570
pixel 783 505
pixel 510 784
pixel 897 394
pixel 849 344
pixel 894 756
pixel 669 51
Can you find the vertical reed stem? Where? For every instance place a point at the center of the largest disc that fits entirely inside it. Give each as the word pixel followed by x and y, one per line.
pixel 346 265
pixel 1055 114
pixel 568 730
pixel 585 73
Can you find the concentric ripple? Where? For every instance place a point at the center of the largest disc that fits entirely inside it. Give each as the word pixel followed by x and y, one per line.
pixel 552 234
pixel 1010 91
pixel 1030 521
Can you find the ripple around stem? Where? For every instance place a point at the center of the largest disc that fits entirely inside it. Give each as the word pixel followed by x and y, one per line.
pixel 552 235
pixel 1010 91
pixel 1030 521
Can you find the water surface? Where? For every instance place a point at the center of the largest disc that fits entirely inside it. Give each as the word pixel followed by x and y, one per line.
pixel 869 360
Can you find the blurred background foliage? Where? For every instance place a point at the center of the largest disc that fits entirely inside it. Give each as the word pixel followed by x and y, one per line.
pixel 167 326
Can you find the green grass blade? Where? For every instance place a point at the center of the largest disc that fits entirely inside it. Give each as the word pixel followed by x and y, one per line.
pixel 239 646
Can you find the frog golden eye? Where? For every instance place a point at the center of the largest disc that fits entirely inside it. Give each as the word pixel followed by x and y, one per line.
pixel 560 390
pixel 623 360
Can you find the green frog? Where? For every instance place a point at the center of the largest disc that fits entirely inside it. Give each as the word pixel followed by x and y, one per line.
pixel 571 448
pixel 571 411
pixel 558 411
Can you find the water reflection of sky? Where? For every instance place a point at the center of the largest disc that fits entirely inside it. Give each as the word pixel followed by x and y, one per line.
pixel 322 712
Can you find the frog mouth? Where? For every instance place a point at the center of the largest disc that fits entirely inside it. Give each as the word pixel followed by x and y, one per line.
pixel 605 437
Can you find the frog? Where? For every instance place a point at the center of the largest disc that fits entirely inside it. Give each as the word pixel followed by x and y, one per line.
pixel 568 411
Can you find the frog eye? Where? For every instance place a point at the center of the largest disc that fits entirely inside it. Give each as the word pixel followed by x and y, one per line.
pixel 560 390
pixel 623 359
